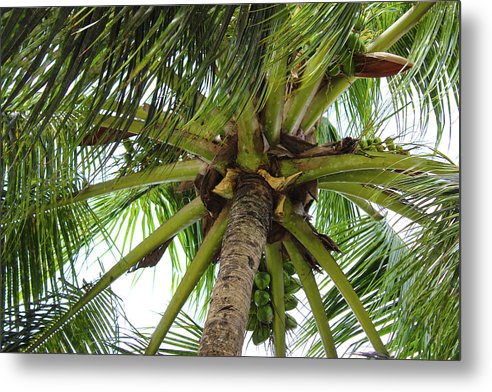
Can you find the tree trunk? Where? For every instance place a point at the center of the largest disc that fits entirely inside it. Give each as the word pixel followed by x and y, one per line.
pixel 242 247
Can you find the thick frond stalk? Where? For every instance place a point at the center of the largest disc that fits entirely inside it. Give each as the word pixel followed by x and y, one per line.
pixel 277 84
pixel 194 144
pixel 251 212
pixel 314 297
pixel 274 264
pixel 174 172
pixel 302 231
pixel 318 167
pixel 250 154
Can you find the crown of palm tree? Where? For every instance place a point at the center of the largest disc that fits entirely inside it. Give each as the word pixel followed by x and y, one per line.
pixel 119 116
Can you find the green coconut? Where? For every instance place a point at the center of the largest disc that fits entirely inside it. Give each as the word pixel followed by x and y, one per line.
pixel 290 322
pixel 360 24
pixel 265 314
pixel 252 321
pixel 289 268
pixel 290 302
pixel 262 280
pixel 390 144
pixel 348 66
pixel 293 286
pixel 334 70
pixel 260 334
pixel 261 297
pixel 355 43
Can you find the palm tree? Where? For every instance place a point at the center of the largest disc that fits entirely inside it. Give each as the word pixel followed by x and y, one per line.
pixel 244 138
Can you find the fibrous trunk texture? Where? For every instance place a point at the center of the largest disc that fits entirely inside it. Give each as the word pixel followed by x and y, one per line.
pixel 242 247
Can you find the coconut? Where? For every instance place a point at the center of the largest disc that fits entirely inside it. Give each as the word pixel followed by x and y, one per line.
pixel 289 268
pixel 260 334
pixel 348 66
pixel 252 321
pixel 290 302
pixel 360 23
pixel 261 297
pixel 293 286
pixel 290 322
pixel 262 280
pixel 265 314
pixel 355 44
pixel 334 70
pixel 390 144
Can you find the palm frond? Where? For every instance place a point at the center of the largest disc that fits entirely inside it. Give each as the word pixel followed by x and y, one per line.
pixel 183 339
pixel 92 331
pixel 429 276
pixel 399 272
pixel 434 48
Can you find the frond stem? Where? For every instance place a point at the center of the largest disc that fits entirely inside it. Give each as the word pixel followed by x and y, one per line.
pixel 275 267
pixel 314 298
pixel 173 172
pixel 318 167
pixel 191 143
pixel 250 154
pixel 298 227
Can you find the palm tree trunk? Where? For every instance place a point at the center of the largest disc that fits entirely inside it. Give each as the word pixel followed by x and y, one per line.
pixel 242 247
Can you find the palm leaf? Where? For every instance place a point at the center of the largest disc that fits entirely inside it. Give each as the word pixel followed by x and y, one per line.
pixel 92 331
pixel 183 339
pixel 397 273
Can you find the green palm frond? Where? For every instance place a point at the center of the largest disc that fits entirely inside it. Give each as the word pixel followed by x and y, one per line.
pixel 92 331
pixel 393 271
pixel 183 339
pixel 432 262
pixel 434 49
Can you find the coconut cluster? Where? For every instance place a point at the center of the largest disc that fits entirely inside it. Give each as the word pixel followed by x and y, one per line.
pixel 376 144
pixel 262 313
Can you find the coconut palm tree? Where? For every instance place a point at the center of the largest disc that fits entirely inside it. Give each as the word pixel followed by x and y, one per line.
pixel 274 151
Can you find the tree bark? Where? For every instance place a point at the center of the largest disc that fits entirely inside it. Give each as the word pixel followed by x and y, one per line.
pixel 242 247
